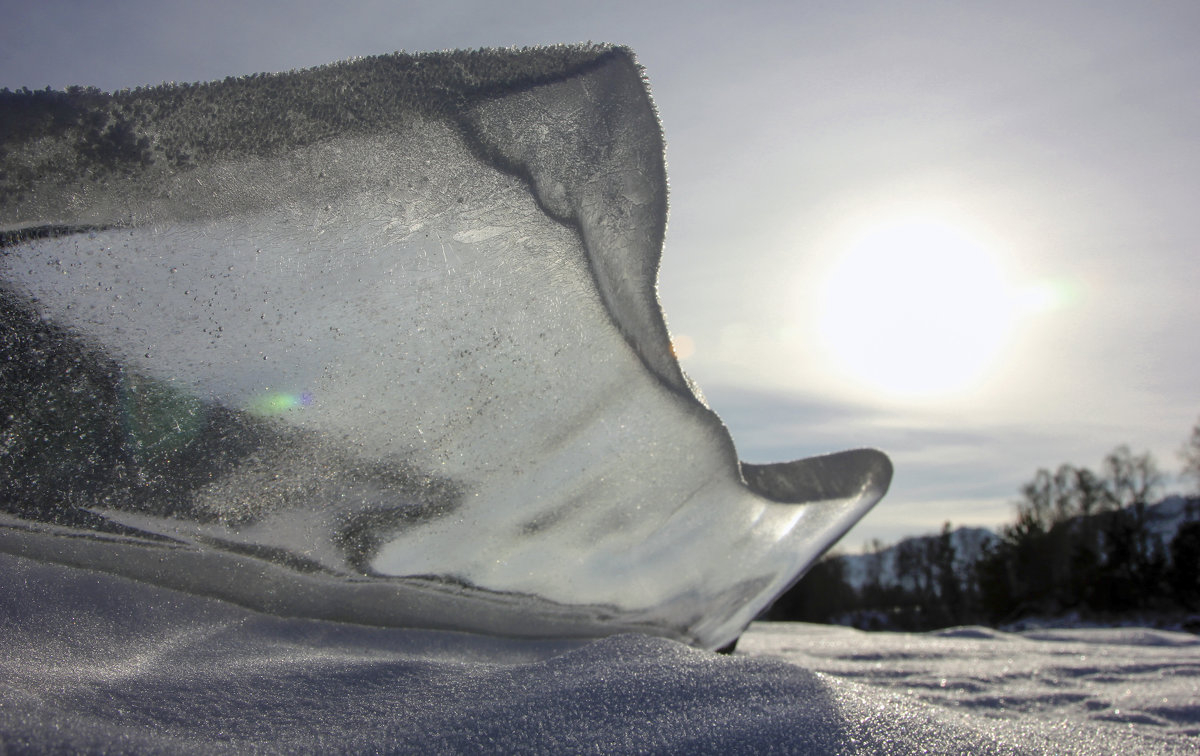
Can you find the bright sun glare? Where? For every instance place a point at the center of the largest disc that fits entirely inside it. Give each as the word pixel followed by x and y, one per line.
pixel 917 307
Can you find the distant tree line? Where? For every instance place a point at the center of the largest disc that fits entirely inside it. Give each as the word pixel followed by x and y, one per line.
pixel 1081 543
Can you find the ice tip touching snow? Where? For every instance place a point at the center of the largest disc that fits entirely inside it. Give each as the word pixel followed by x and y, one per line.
pixel 379 342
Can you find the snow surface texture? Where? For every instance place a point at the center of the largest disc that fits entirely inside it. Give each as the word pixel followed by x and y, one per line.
pixel 1083 690
pixel 379 342
pixel 93 661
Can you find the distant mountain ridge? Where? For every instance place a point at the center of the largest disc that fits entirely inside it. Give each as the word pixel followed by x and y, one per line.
pixel 883 566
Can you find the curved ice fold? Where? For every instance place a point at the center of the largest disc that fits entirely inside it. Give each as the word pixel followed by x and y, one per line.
pixel 380 342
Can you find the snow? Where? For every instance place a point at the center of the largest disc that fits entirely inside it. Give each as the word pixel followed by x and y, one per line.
pixel 1164 519
pixel 93 661
pixel 1080 690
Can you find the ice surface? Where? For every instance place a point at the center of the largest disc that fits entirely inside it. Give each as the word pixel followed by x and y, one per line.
pixel 379 342
pixel 94 661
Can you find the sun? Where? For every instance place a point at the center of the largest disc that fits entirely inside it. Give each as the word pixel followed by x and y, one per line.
pixel 916 307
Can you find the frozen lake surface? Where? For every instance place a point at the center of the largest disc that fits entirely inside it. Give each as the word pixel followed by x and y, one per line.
pixel 93 661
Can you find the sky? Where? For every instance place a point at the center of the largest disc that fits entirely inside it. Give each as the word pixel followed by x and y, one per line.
pixel 962 233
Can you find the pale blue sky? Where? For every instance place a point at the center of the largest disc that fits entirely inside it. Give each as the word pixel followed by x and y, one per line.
pixel 1065 131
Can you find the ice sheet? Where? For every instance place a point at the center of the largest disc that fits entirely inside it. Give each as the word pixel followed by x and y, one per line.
pixel 380 342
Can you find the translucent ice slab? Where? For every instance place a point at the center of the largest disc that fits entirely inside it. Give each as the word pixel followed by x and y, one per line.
pixel 379 342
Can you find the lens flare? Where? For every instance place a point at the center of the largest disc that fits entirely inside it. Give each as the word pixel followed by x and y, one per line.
pixel 277 403
pixel 682 346
pixel 1046 296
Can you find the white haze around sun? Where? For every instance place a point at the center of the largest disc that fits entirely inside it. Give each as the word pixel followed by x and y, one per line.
pixel 916 307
